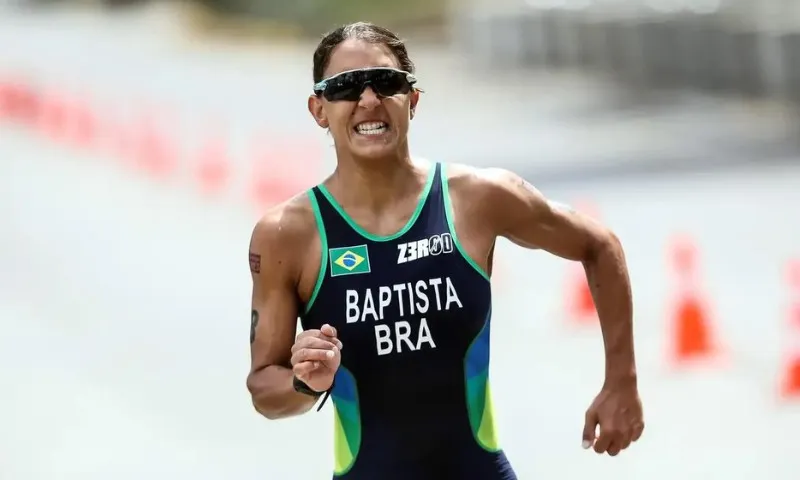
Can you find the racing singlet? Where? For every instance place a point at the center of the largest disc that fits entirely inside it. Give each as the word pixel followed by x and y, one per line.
pixel 411 397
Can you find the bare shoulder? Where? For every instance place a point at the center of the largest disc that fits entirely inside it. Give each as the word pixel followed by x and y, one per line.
pixel 491 187
pixel 481 179
pixel 284 232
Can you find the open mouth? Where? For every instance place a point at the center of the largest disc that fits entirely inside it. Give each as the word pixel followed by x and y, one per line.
pixel 371 128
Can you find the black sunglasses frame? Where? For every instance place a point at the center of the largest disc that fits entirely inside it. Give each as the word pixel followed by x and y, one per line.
pixel 321 88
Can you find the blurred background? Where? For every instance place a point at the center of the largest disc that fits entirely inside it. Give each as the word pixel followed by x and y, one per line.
pixel 140 140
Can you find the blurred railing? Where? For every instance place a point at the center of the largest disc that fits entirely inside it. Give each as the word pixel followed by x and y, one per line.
pixel 313 18
pixel 299 19
pixel 745 47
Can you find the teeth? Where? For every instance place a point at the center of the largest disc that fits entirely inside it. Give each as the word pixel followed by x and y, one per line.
pixel 371 128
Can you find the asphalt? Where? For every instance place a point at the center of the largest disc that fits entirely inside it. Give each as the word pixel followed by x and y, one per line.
pixel 124 300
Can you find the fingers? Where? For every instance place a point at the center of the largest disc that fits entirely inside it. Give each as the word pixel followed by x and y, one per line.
pixel 615 447
pixel 612 440
pixel 327 332
pixel 303 369
pixel 319 343
pixel 604 441
pixel 316 346
pixel 589 428
pixel 638 428
pixel 314 349
pixel 310 354
pixel 625 442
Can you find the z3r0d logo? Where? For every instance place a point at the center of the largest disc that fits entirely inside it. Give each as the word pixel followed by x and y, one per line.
pixel 435 245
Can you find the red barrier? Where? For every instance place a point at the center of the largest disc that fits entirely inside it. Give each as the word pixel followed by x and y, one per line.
pixel 146 140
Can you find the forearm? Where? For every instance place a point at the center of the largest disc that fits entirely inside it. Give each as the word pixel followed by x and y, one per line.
pixel 274 395
pixel 607 274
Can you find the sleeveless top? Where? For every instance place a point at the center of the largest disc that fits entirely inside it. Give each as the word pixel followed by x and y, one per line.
pixel 411 397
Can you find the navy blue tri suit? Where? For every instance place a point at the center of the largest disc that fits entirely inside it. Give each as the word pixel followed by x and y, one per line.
pixel 411 397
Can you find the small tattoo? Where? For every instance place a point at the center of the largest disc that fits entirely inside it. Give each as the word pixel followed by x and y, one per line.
pixel 253 325
pixel 255 262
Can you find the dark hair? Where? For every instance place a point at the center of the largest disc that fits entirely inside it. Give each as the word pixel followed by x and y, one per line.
pixel 367 32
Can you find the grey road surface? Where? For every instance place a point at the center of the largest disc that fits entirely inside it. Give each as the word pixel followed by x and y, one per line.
pixel 124 300
pixel 124 317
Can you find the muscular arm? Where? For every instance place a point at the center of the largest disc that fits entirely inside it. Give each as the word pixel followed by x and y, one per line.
pixel 522 214
pixel 274 320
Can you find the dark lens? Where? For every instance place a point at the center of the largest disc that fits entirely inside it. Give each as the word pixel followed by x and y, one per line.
pixel 343 92
pixel 350 85
pixel 387 83
pixel 345 87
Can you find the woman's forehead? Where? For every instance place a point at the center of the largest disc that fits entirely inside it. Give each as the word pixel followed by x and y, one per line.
pixel 353 54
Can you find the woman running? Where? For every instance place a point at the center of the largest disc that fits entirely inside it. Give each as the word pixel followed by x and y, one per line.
pixel 387 263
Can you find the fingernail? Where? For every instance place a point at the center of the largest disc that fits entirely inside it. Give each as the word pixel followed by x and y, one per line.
pixel 330 353
pixel 586 444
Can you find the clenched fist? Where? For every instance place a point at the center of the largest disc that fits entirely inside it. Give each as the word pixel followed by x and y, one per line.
pixel 617 410
pixel 316 357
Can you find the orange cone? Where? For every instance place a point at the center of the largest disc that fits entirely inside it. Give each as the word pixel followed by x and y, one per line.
pixel 581 309
pixel 82 132
pixel 267 186
pixel 580 302
pixel 790 384
pixel 51 116
pixel 691 334
pixel 282 168
pixel 791 380
pixel 213 167
pixel 154 150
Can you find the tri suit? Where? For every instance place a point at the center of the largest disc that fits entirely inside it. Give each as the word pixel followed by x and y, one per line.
pixel 411 397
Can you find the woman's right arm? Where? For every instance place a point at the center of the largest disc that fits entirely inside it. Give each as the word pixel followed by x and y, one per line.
pixel 274 269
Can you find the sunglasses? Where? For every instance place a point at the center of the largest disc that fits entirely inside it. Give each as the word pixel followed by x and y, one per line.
pixel 349 85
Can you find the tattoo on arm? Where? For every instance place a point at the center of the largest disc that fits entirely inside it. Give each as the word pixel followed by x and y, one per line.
pixel 253 325
pixel 255 262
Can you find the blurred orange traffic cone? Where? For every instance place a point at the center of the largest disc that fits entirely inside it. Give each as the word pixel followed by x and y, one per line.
pixel 82 124
pixel 580 302
pixel 790 385
pixel 51 116
pixel 282 168
pixel 267 185
pixel 213 167
pixel 154 150
pixel 791 380
pixel 691 333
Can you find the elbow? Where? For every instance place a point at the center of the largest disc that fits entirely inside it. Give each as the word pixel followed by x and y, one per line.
pixel 261 400
pixel 265 409
pixel 265 412
pixel 603 245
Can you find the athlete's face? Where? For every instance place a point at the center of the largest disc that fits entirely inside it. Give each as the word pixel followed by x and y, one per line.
pixel 352 123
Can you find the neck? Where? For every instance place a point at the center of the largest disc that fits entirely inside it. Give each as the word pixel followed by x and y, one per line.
pixel 375 182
